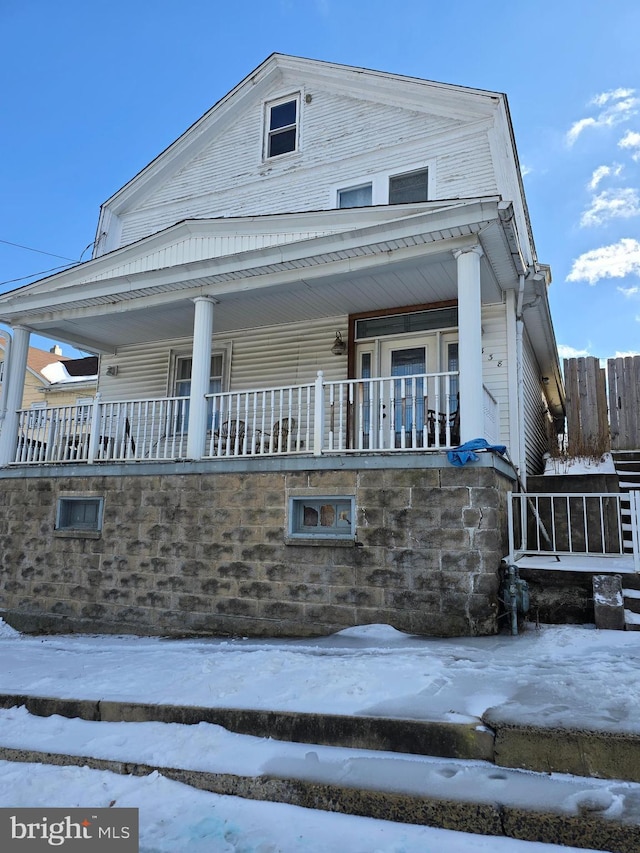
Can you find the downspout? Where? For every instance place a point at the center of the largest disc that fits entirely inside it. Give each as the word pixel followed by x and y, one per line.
pixel 522 464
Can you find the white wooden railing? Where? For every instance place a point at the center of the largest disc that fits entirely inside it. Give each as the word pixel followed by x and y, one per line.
pixel 563 524
pixel 391 414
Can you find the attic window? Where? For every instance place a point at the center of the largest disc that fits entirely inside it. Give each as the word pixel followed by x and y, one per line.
pixel 282 128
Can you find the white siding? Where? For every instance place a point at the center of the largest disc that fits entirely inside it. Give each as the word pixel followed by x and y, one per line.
pixel 535 418
pixel 343 140
pixel 494 362
pixel 271 356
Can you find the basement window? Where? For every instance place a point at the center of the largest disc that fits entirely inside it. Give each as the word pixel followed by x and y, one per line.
pixel 322 518
pixel 79 514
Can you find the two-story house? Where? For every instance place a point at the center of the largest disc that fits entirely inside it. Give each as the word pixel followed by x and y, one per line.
pixel 300 306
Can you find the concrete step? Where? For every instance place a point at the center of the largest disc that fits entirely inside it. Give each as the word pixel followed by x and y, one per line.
pixel 625 456
pixel 498 737
pixel 631 600
pixel 452 794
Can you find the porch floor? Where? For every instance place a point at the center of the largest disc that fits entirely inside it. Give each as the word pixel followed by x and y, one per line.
pixel 593 563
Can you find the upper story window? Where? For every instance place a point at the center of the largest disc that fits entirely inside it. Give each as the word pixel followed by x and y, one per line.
pixel 282 126
pixel 361 196
pixel 409 187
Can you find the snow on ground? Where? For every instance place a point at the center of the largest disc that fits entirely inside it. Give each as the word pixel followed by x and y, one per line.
pixel 579 465
pixel 564 675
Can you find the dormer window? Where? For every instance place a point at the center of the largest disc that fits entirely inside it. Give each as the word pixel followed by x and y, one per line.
pixel 282 127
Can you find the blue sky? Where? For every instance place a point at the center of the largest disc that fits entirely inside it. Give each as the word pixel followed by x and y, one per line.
pixel 92 92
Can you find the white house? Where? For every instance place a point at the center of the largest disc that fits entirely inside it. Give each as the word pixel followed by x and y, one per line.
pixel 323 285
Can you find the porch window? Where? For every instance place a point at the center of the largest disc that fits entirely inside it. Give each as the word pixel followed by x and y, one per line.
pixel 409 187
pixel 79 514
pixel 322 517
pixel 182 388
pixel 183 375
pixel 282 127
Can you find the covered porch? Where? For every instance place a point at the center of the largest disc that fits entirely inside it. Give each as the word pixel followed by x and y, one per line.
pixel 203 285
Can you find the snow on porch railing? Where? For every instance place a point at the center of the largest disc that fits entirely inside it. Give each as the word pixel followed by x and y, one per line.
pixel 392 413
pixel 593 524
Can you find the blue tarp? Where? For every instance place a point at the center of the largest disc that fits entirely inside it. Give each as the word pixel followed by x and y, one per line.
pixel 465 453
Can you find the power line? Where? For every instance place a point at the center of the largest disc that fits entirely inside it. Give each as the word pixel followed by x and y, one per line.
pixel 43 272
pixel 40 251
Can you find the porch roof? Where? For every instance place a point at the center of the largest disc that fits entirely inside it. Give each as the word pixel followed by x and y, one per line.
pixel 269 269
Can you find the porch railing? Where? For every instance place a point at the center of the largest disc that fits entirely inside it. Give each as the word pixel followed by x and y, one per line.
pixel 391 414
pixel 563 524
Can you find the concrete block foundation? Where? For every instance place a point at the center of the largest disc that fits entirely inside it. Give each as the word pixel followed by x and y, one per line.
pixel 206 551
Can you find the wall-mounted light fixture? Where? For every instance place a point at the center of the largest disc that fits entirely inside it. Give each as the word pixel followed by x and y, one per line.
pixel 339 347
pixel 112 370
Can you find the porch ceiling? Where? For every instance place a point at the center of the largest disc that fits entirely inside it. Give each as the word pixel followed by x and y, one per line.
pixel 296 298
pixel 268 270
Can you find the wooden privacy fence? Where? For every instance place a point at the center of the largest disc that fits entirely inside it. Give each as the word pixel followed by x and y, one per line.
pixel 624 402
pixel 592 428
pixel 587 418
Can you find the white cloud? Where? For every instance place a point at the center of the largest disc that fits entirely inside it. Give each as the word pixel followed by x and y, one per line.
pixel 604 172
pixel 577 128
pixel 614 94
pixel 611 204
pixel 628 354
pixel 565 351
pixel 629 291
pixel 615 261
pixel 631 140
pixel 599 173
pixel 525 170
pixel 616 106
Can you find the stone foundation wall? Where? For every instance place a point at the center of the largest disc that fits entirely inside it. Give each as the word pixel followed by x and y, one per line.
pixel 205 553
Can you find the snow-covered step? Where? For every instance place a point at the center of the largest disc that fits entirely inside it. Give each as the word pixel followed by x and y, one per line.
pixel 631 620
pixel 471 796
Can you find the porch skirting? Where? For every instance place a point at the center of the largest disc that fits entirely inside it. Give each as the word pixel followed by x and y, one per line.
pixel 207 552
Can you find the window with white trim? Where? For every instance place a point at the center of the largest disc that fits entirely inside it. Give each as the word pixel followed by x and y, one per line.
pixel 282 121
pixel 409 187
pixel 328 517
pixel 361 196
pixel 415 183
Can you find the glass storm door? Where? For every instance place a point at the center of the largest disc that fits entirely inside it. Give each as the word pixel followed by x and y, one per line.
pixel 404 410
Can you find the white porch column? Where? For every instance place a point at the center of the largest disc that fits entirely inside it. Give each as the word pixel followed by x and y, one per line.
pixel 470 343
pixel 200 374
pixel 14 377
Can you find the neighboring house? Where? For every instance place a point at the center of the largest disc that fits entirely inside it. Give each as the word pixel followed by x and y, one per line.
pixel 325 283
pixel 51 378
